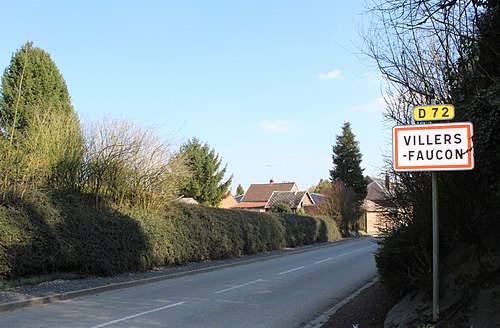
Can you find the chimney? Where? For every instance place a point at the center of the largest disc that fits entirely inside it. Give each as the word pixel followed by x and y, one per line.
pixel 271 181
pixel 387 182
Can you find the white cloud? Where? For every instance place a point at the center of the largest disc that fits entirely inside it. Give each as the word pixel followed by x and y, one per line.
pixel 278 126
pixel 376 105
pixel 336 74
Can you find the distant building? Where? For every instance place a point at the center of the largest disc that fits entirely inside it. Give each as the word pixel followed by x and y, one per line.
pixel 228 201
pixel 296 200
pixel 261 197
pixel 378 190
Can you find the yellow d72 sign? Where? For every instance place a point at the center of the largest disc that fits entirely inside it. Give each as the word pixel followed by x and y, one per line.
pixel 434 113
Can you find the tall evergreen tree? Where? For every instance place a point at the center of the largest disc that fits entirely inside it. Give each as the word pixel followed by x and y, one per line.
pixel 205 185
pixel 240 190
pixel 346 162
pixel 40 134
pixel 31 83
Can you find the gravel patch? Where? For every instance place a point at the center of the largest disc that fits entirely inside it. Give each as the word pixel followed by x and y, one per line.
pixel 367 310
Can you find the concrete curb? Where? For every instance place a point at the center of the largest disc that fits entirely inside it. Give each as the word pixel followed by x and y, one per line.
pixel 111 287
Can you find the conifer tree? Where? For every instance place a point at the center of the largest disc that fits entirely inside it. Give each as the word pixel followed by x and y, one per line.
pixel 40 134
pixel 206 184
pixel 240 190
pixel 346 162
pixel 31 83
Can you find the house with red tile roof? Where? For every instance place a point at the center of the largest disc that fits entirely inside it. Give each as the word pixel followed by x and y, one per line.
pixel 261 197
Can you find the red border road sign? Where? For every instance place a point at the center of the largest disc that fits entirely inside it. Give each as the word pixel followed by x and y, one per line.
pixel 433 147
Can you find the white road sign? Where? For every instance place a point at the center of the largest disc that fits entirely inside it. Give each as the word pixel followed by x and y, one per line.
pixel 433 147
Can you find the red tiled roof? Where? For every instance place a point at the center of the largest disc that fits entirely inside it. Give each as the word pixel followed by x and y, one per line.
pixel 262 192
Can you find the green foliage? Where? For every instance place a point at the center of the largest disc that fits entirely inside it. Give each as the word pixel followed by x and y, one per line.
pixel 405 257
pixel 347 190
pixel 205 185
pixel 100 202
pixel 281 208
pixel 43 144
pixel 45 234
pixel 346 162
pixel 322 187
pixel 305 230
pixel 40 133
pixel 240 190
pixel 190 233
pixel 30 85
pixel 49 233
pixel 42 234
pixel 48 154
pixel 300 211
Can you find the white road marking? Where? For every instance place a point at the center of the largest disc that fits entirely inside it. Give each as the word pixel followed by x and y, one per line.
pixel 285 272
pixel 318 262
pixel 357 250
pixel 239 286
pixel 137 315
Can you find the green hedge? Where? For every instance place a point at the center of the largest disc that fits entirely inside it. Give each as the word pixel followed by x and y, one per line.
pixel 306 230
pixel 191 233
pixel 45 234
pixel 63 233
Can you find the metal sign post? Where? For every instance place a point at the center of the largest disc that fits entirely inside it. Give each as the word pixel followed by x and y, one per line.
pixel 435 248
pixel 433 147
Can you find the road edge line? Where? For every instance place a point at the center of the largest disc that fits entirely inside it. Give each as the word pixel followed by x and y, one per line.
pixel 325 317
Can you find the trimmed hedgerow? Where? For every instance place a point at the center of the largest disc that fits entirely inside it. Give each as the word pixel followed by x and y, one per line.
pixel 43 234
pixel 306 230
pixel 190 233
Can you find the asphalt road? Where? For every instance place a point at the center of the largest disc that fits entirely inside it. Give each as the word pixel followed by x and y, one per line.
pixel 287 291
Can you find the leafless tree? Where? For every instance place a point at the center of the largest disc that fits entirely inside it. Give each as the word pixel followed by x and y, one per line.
pixel 419 47
pixel 130 165
pixel 341 205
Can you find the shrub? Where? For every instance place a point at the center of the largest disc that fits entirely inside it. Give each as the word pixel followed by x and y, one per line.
pixel 306 230
pixel 281 208
pixel 47 233
pixel 342 206
pixel 130 166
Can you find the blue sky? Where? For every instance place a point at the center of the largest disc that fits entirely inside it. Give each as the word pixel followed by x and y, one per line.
pixel 267 84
